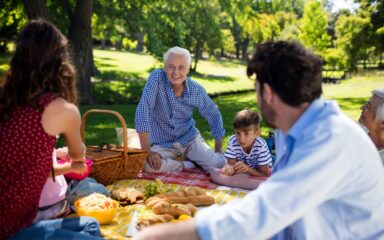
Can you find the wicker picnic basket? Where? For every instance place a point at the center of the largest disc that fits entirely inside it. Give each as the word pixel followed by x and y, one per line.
pixel 115 162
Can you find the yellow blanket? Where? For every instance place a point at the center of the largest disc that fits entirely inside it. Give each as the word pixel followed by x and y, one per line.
pixel 118 227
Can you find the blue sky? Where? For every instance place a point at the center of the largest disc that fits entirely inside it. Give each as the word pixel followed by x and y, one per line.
pixel 340 4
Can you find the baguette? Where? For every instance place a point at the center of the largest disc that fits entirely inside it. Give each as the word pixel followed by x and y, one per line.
pixel 164 218
pixel 194 196
pixel 175 210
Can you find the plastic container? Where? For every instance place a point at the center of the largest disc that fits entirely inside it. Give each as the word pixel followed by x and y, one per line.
pixel 102 216
pixel 76 176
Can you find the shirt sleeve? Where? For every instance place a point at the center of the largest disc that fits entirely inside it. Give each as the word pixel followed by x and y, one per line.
pixel 229 152
pixel 147 102
pixel 286 196
pixel 264 156
pixel 209 110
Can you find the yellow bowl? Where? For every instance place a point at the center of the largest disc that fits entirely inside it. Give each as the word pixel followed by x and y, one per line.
pixel 103 216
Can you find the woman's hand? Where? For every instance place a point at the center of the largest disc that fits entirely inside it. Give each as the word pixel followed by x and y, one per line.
pixel 154 160
pixel 228 170
pixel 78 167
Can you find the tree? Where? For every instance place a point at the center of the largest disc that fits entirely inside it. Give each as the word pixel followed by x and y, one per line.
pixel 79 36
pixel 353 38
pixel 374 9
pixel 12 18
pixel 313 28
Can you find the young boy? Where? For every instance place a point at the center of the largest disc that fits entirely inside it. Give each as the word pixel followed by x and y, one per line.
pixel 247 152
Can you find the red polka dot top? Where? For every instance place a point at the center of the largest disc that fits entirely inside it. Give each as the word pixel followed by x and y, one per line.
pixel 25 162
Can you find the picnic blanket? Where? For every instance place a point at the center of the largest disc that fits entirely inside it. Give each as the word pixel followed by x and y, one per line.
pixel 190 177
pixel 118 227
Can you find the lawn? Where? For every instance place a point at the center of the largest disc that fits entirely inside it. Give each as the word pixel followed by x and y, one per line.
pixel 123 75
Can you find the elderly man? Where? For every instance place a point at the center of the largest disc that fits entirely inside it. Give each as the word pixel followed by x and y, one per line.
pixel 372 118
pixel 164 118
pixel 327 182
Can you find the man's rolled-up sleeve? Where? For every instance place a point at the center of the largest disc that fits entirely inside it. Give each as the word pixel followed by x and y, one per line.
pixel 147 102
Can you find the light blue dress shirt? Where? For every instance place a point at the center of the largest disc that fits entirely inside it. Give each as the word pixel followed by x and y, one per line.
pixel 328 183
pixel 168 118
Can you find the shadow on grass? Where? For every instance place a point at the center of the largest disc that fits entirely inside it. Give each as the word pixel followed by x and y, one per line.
pixel 351 103
pixel 211 77
pixel 101 64
pixel 229 106
pixel 118 92
pixel 105 76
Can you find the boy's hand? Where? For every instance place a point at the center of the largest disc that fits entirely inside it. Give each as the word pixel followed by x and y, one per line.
pixel 78 167
pixel 228 170
pixel 240 167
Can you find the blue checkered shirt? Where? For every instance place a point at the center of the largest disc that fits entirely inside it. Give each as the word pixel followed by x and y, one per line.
pixel 168 118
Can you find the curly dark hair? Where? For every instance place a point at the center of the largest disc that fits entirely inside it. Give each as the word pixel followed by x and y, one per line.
pixel 39 66
pixel 293 72
pixel 246 118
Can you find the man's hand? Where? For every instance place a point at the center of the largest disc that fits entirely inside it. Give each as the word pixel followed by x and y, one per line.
pixel 154 160
pixel 228 170
pixel 240 167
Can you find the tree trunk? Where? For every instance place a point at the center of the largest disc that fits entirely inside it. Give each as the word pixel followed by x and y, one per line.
pixel 244 49
pixel 80 37
pixel 222 52
pixel 197 54
pixel 35 9
pixel 140 42
pixel 237 45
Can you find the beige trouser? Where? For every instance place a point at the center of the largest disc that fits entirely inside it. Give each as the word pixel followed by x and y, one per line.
pixel 197 152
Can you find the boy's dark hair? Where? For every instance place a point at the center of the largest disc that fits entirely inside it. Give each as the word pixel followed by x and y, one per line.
pixel 293 72
pixel 246 118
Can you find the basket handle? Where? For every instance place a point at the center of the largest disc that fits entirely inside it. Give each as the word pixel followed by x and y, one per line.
pixel 103 111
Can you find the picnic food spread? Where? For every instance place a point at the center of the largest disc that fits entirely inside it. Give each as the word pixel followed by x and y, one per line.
pixel 155 203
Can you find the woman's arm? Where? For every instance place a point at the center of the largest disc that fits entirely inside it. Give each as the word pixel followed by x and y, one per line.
pixel 61 117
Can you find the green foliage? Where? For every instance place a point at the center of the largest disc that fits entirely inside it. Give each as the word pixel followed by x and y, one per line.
pixel 334 59
pixel 12 18
pixel 353 37
pixel 313 27
pixel 129 44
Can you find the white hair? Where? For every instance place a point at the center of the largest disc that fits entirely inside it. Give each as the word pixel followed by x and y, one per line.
pixel 380 107
pixel 178 51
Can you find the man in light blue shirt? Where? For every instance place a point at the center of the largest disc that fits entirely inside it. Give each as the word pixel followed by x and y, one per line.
pixel 327 182
pixel 164 118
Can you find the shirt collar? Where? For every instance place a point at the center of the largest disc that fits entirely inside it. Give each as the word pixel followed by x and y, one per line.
pixel 306 118
pixel 186 83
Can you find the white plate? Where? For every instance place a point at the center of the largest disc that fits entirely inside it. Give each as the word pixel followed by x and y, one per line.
pixel 132 230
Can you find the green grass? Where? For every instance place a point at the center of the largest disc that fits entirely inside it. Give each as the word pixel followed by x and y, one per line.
pixel 123 77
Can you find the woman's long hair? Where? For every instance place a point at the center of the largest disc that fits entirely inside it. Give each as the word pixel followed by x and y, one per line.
pixel 39 66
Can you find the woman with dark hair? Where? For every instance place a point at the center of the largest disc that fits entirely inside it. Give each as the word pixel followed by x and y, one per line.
pixel 37 102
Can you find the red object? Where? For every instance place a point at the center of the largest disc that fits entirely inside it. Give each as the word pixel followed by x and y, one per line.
pixel 26 160
pixel 76 176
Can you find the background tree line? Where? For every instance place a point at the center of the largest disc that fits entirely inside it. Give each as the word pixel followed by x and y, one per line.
pixel 214 28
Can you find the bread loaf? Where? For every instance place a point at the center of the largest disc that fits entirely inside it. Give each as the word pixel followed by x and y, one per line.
pixel 175 210
pixel 145 222
pixel 129 195
pixel 193 196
